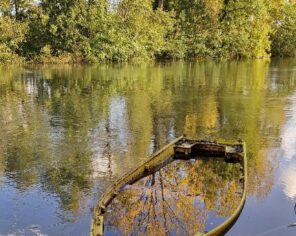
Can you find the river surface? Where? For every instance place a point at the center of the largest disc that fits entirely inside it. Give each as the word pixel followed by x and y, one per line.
pixel 66 132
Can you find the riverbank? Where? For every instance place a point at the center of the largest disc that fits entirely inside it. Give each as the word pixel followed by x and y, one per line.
pixel 69 59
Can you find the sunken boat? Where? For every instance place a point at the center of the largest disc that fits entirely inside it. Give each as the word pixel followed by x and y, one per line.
pixel 189 187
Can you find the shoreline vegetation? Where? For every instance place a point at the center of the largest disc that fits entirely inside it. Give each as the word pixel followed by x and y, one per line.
pixel 90 31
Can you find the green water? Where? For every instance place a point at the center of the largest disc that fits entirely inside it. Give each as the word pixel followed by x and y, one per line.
pixel 67 132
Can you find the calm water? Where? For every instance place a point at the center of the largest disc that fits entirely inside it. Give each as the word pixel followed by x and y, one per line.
pixel 67 132
pixel 182 198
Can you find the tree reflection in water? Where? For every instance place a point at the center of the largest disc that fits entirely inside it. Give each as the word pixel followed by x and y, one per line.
pixel 183 198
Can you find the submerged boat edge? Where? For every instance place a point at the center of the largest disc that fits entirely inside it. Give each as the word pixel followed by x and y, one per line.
pixel 154 162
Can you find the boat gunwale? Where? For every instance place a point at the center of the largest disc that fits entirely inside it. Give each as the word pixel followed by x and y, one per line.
pixel 155 162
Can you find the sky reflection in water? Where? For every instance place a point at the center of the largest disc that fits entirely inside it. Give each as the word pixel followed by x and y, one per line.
pixel 67 132
pixel 289 148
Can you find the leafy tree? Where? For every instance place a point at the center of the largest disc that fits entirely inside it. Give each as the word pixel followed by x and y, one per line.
pixel 247 28
pixel 94 30
pixel 284 38
pixel 12 33
pixel 36 37
pixel 18 9
pixel 5 7
pixel 133 31
pixel 63 25
pixel 195 24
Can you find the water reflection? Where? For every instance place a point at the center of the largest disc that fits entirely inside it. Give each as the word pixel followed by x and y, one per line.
pixel 289 181
pixel 183 198
pixel 289 131
pixel 66 132
pixel 289 151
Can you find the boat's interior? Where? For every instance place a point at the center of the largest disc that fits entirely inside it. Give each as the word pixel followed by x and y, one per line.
pixel 182 198
pixel 188 187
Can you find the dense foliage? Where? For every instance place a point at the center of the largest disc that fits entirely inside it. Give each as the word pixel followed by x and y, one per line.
pixel 119 30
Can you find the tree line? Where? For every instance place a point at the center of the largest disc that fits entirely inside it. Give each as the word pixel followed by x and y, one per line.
pixel 49 31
